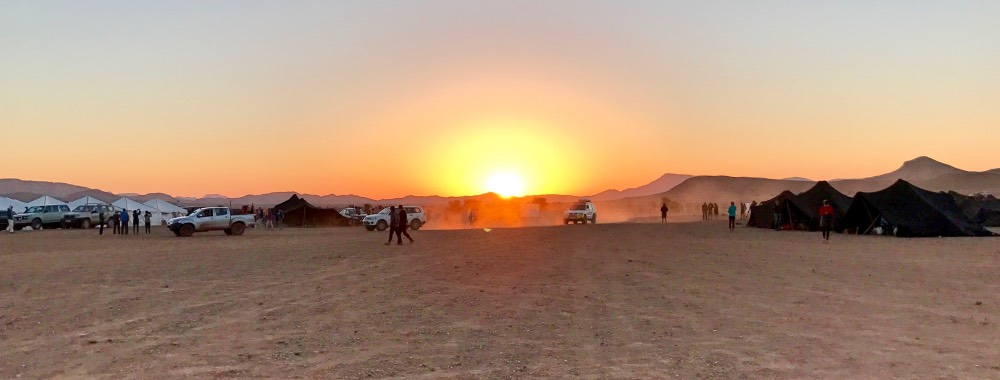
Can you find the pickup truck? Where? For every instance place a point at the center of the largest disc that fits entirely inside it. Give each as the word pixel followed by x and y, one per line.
pixel 210 219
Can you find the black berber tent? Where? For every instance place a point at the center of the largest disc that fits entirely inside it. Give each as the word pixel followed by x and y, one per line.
pixel 802 211
pixel 762 215
pixel 909 211
pixel 300 213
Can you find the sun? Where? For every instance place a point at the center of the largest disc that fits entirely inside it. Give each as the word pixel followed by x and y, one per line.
pixel 505 184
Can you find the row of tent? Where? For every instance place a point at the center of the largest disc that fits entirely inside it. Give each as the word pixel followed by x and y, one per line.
pixel 160 209
pixel 901 209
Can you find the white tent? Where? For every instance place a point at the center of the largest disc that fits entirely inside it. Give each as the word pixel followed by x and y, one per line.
pixel 131 205
pixel 87 200
pixel 16 204
pixel 166 209
pixel 45 201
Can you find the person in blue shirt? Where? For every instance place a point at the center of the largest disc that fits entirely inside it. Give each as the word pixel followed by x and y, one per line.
pixel 732 216
pixel 124 222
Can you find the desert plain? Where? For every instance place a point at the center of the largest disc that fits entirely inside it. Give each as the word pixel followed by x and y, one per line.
pixel 630 300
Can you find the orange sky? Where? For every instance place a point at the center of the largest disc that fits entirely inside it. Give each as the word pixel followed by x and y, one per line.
pixel 386 100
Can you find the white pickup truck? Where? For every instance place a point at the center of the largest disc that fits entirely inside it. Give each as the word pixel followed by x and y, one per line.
pixel 210 219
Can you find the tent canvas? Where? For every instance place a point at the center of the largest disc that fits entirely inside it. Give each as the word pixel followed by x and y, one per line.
pixel 762 215
pixel 9 202
pixel 164 206
pixel 87 200
pixel 165 209
pixel 300 213
pixel 132 205
pixel 45 201
pixel 909 211
pixel 803 209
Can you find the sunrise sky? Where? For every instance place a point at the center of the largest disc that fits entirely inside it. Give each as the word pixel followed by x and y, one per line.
pixel 390 98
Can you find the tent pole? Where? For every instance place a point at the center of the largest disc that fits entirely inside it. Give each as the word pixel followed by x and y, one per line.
pixel 871 226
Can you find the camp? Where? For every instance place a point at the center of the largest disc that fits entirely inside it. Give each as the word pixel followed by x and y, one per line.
pixel 762 215
pixel 802 211
pixel 905 210
pixel 300 213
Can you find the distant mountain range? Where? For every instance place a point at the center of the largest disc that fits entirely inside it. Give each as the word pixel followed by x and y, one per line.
pixel 922 171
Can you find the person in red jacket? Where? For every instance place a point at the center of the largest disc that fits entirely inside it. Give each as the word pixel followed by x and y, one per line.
pixel 826 219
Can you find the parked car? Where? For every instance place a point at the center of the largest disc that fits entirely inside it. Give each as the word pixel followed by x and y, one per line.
pixel 41 216
pixel 414 216
pixel 354 213
pixel 210 219
pixel 581 212
pixel 86 216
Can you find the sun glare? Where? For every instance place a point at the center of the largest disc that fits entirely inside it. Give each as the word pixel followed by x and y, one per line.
pixel 506 185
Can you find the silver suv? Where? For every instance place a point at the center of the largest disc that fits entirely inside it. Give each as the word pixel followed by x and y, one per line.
pixel 85 216
pixel 41 216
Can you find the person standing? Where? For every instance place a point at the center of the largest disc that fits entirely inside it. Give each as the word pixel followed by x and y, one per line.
pixel 663 213
pixel 704 211
pixel 401 228
pixel 715 210
pixel 135 220
pixel 743 210
pixel 732 216
pixel 147 218
pixel 393 221
pixel 10 219
pixel 124 218
pixel 100 221
pixel 116 222
pixel 777 215
pixel 826 219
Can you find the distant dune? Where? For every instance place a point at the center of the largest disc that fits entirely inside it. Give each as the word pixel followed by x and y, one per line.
pixel 921 171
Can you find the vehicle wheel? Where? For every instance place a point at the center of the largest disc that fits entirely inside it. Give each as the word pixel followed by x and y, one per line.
pixel 415 224
pixel 381 225
pixel 36 224
pixel 85 224
pixel 566 221
pixel 584 221
pixel 187 230
pixel 594 219
pixel 237 229
pixel 370 228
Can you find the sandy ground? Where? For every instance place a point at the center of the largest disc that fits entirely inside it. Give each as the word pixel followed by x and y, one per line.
pixel 686 300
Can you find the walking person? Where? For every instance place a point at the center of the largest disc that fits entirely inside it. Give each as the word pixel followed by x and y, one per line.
pixel 401 228
pixel 135 220
pixel 826 219
pixel 10 219
pixel 147 218
pixel 100 222
pixel 393 221
pixel 124 219
pixel 732 216
pixel 663 213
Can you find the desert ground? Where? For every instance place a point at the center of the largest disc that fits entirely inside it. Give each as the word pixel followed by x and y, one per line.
pixel 638 300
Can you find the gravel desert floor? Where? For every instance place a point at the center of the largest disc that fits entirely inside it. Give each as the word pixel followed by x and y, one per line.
pixel 684 300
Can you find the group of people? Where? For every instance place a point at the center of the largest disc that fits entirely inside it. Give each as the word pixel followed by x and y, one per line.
pixel 709 211
pixel 120 219
pixel 268 217
pixel 398 225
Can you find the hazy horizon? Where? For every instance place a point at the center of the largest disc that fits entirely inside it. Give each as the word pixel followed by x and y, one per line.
pixel 387 99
